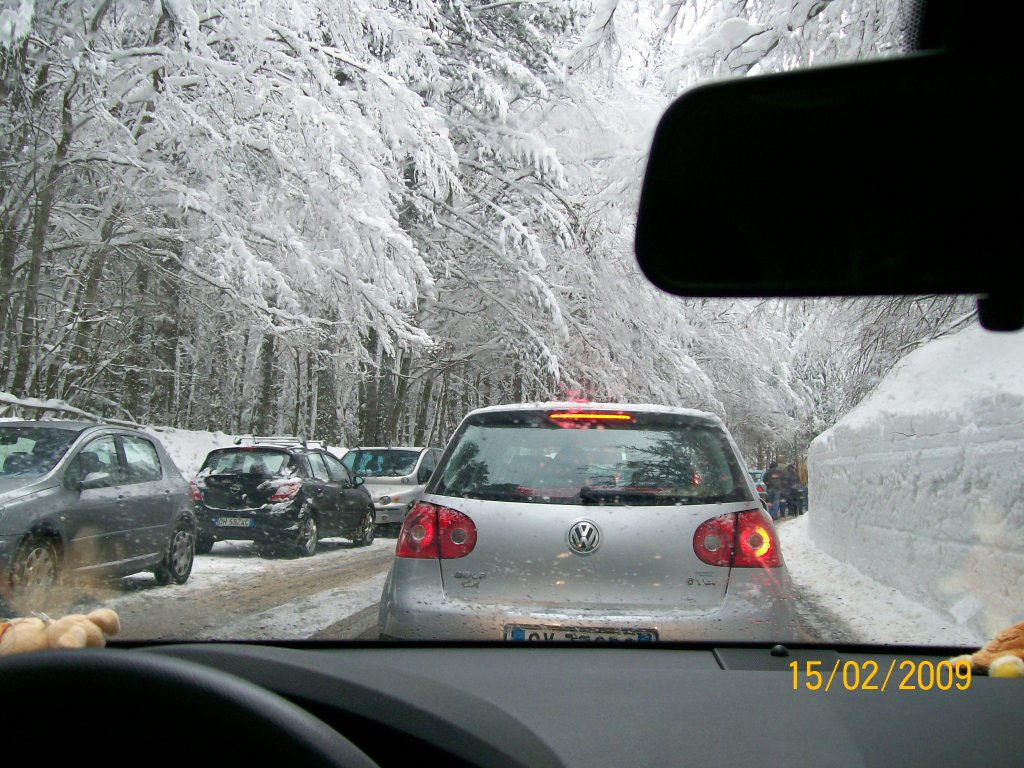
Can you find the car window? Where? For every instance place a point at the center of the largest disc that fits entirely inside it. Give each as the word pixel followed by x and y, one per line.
pixel 261 463
pixel 382 462
pixel 142 459
pixel 29 451
pixel 650 459
pixel 316 464
pixel 336 470
pixel 99 455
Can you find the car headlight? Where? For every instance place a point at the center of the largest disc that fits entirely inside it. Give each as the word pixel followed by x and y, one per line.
pixel 385 500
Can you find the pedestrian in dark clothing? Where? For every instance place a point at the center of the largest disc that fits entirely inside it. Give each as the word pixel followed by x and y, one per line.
pixel 775 482
pixel 791 491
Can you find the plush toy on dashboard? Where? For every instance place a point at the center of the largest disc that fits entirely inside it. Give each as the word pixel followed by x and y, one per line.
pixel 39 633
pixel 1002 656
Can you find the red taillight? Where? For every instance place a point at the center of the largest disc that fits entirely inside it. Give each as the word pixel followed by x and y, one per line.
pixel 286 490
pixel 193 491
pixel 436 532
pixel 714 540
pixel 757 545
pixel 742 540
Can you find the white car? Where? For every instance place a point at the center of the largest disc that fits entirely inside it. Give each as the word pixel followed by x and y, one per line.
pixel 395 477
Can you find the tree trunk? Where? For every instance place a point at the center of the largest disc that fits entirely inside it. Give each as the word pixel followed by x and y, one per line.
pixel 40 226
pixel 419 433
pixel 326 426
pixel 264 420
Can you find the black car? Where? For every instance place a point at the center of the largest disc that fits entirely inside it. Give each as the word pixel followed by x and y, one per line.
pixel 282 493
pixel 88 500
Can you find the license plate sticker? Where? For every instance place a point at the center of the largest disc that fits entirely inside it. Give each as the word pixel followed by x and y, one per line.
pixel 233 522
pixel 524 633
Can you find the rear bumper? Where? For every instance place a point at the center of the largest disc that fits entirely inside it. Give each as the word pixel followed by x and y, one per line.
pixel 758 607
pixel 267 524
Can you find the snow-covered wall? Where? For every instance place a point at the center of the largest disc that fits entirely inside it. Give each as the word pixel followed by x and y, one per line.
pixel 921 486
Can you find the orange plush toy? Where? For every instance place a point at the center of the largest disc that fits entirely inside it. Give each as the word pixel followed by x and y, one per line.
pixel 41 633
pixel 1002 656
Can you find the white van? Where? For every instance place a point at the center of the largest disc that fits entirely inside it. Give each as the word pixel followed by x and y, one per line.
pixel 395 477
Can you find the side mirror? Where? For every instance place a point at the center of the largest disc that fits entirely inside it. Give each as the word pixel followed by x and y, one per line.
pixel 423 475
pixel 358 481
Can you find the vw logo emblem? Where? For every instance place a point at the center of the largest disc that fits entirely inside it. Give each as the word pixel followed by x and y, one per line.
pixel 584 537
pixel 236 488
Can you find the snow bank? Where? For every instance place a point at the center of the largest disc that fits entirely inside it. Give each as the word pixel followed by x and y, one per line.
pixel 919 487
pixel 187 448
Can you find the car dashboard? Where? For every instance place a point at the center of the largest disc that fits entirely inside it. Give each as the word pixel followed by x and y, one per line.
pixel 546 705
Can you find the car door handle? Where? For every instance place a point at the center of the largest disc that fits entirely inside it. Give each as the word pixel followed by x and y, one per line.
pixel 120 499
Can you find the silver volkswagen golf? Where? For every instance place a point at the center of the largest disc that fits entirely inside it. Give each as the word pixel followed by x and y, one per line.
pixel 588 522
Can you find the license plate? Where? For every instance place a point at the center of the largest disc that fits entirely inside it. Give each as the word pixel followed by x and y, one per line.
pixel 233 522
pixel 522 633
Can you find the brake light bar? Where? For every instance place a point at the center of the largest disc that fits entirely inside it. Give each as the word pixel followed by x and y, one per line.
pixel 589 416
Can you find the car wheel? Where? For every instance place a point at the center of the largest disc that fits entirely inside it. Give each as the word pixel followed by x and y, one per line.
pixel 367 531
pixel 204 544
pixel 309 535
pixel 181 552
pixel 36 570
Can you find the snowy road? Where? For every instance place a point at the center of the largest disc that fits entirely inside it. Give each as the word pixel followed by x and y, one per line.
pixel 236 594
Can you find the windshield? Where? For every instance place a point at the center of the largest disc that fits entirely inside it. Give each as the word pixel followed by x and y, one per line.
pixel 381 462
pixel 359 222
pixel 32 451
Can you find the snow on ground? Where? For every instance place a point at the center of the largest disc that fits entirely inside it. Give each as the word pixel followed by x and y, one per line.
pixel 304 618
pixel 874 612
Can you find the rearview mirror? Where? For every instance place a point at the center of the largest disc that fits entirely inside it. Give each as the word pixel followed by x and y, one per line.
pixel 778 185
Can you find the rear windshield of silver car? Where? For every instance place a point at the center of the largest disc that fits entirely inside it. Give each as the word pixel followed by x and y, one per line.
pixel 550 458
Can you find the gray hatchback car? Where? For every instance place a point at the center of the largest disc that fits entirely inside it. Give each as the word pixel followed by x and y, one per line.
pixel 85 500
pixel 588 522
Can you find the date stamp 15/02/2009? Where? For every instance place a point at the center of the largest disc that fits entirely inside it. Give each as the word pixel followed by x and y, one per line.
pixel 869 675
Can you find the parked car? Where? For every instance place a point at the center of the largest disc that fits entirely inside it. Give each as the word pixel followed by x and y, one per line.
pixel 283 493
pixel 762 490
pixel 86 499
pixel 395 477
pixel 598 507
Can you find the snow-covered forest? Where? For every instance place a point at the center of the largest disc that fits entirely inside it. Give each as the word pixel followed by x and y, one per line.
pixel 357 219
